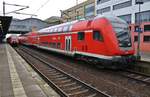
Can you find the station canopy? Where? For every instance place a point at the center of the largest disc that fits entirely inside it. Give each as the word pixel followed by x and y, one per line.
pixel 4 26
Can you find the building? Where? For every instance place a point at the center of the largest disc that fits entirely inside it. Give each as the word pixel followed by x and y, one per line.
pixel 82 10
pixel 144 37
pixel 54 20
pixel 26 25
pixel 129 11
pixel 125 9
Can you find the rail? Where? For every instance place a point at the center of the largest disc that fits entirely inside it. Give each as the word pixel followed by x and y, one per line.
pixel 65 84
pixel 141 77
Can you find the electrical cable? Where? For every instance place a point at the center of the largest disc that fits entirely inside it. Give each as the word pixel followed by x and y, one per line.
pixel 42 6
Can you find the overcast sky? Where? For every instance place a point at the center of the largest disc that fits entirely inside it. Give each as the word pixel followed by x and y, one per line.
pixel 51 8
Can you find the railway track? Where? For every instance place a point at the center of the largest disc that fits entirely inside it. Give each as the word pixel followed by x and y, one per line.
pixel 141 67
pixel 110 82
pixel 66 85
pixel 140 77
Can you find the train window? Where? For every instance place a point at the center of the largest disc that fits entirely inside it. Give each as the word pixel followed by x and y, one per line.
pixel 65 28
pixel 50 44
pixel 97 36
pixel 146 39
pixel 59 29
pixel 52 30
pixel 135 38
pixel 81 35
pixel 55 30
pixel 146 28
pixel 54 45
pixel 70 27
pixel 58 45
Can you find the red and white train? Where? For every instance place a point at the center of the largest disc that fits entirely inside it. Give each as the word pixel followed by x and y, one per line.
pixel 13 40
pixel 102 40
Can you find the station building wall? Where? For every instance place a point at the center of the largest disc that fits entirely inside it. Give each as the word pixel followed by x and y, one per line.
pixel 144 36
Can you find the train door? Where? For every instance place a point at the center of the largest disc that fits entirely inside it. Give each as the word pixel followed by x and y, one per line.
pixel 68 43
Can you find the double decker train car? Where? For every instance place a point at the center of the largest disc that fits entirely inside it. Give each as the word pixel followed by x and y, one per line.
pixel 102 40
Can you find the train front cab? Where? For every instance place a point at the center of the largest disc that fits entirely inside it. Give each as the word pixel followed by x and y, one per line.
pixel 124 53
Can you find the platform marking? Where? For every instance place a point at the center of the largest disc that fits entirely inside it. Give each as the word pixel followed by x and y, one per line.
pixel 0 93
pixel 16 82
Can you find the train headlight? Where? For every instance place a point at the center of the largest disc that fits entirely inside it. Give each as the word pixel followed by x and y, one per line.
pixel 129 44
pixel 120 44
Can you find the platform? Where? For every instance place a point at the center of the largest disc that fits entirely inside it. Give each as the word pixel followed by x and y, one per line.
pixel 18 79
pixel 145 56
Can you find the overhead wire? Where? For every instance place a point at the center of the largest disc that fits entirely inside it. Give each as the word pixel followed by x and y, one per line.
pixel 42 6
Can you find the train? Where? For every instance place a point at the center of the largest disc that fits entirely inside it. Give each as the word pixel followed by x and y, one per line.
pixel 13 40
pixel 103 40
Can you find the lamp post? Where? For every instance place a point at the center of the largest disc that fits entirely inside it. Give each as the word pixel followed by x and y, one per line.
pixel 139 2
pixel 77 15
pixel 3 8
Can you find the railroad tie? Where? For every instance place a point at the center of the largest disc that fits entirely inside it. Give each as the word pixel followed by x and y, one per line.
pixel 138 77
pixel 92 95
pixel 69 80
pixel 80 92
pixel 146 79
pixel 69 84
pixel 73 88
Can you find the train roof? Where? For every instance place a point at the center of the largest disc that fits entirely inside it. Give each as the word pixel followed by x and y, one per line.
pixel 67 27
pixel 64 27
pixel 111 18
